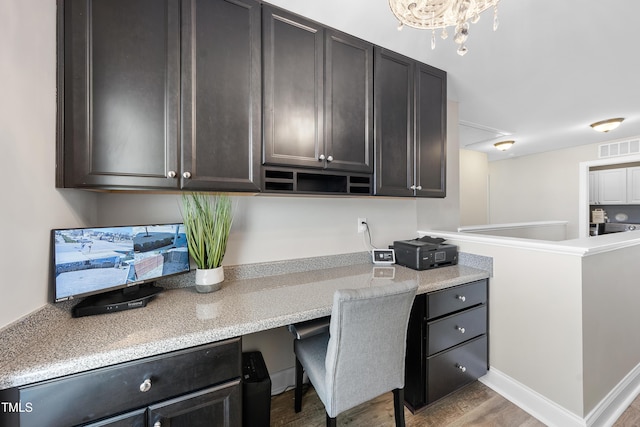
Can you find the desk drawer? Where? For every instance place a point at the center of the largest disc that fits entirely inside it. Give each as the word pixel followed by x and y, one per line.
pixel 452 369
pixel 455 329
pixel 88 396
pixel 455 299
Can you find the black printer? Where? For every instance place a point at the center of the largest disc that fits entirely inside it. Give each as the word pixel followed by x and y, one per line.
pixel 425 253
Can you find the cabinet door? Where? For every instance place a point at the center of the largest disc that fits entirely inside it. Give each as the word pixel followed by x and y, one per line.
pixel 431 130
pixel 348 103
pixel 633 185
pixel 393 92
pixel 121 91
pixel 221 95
pixel 215 406
pixel 130 419
pixel 293 89
pixel 612 186
pixel 593 188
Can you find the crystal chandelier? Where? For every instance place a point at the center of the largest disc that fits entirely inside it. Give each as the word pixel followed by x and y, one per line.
pixel 434 14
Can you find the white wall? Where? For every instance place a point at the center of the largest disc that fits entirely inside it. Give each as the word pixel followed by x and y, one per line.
pixel 31 206
pixel 268 228
pixel 474 194
pixel 540 187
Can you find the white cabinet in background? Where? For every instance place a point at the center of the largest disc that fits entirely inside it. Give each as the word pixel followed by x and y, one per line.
pixel 593 188
pixel 612 187
pixel 633 185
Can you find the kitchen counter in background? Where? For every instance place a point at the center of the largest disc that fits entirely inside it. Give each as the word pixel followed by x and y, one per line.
pixel 50 343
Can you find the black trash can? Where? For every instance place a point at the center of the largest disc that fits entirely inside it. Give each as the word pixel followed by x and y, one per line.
pixel 256 391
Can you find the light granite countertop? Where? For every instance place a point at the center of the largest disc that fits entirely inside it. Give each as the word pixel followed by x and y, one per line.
pixel 50 343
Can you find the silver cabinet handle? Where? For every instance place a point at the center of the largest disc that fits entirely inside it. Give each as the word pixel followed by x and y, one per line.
pixel 321 158
pixel 145 386
pixel 462 368
pixel 461 298
pixel 171 174
pixel 413 187
pixel 330 159
pixel 419 187
pixel 462 330
pixel 157 424
pixel 186 175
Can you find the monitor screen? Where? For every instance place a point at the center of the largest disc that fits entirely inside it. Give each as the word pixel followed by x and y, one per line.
pixel 93 260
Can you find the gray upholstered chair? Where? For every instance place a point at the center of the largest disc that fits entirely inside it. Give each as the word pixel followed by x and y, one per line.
pixel 362 355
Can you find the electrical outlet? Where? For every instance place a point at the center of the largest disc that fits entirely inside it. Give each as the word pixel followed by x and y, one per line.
pixel 362 227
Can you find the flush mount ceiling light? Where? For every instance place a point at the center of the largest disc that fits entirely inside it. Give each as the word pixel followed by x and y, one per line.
pixel 504 145
pixel 607 125
pixel 435 14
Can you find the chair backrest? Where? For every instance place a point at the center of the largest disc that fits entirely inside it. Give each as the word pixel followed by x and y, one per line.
pixel 367 344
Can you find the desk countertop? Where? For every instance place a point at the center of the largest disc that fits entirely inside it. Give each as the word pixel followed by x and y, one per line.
pixel 50 343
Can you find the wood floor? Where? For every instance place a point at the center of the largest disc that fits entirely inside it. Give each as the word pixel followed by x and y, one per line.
pixel 474 405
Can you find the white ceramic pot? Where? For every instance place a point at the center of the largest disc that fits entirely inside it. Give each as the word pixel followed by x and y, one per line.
pixel 209 280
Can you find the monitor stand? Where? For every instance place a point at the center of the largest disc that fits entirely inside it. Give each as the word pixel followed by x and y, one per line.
pixel 122 299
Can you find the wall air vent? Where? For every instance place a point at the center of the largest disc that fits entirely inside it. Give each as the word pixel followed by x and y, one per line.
pixel 619 148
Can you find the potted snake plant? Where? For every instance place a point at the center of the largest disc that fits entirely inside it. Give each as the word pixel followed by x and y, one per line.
pixel 207 221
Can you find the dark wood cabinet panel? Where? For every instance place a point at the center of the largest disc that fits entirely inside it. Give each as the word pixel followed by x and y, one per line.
pixel 348 103
pixel 162 94
pixel 121 92
pixel 221 95
pixel 215 406
pixel 431 131
pixel 410 122
pixel 394 97
pixel 293 50
pixel 130 419
pixel 122 394
pixel 318 86
pixel 447 342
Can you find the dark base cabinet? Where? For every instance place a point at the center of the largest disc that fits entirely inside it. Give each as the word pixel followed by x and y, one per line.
pixel 192 387
pixel 447 343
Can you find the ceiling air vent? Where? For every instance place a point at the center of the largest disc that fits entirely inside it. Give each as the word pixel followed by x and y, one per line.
pixel 620 148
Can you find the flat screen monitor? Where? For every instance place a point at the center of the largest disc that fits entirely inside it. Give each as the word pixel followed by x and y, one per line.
pixel 115 267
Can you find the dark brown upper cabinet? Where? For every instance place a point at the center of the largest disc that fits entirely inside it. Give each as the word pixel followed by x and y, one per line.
pixel 160 94
pixel 221 111
pixel 318 93
pixel 410 123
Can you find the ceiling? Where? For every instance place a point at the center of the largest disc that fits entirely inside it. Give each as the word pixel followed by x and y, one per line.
pixel 552 68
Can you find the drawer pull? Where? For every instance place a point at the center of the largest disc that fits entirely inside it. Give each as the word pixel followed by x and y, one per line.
pixel 461 298
pixel 462 330
pixel 145 386
pixel 462 368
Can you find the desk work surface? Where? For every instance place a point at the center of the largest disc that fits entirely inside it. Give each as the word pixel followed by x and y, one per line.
pixel 49 343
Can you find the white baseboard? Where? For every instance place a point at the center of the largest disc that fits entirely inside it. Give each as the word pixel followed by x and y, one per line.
pixel 552 414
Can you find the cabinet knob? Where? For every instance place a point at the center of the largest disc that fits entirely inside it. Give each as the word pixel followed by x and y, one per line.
pixel 462 368
pixel 461 329
pixel 171 174
pixel 461 298
pixel 413 187
pixel 330 159
pixel 145 386
pixel 186 175
pixel 321 158
pixel 419 187
pixel 157 424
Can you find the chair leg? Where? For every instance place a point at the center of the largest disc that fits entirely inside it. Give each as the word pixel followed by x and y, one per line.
pixel 297 405
pixel 331 422
pixel 398 406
